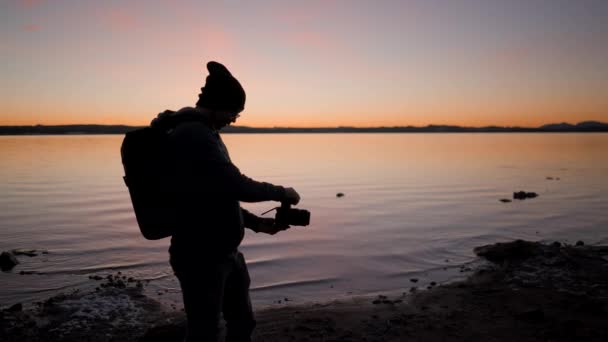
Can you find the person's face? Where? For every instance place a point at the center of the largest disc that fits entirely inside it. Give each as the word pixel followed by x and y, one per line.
pixel 225 117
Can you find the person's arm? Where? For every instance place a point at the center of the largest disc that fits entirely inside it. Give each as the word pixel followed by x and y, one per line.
pixel 250 220
pixel 199 150
pixel 249 190
pixel 246 189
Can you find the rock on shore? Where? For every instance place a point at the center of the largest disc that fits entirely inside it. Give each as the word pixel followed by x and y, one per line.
pixel 7 261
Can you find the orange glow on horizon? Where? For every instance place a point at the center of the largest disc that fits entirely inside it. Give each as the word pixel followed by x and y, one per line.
pixel 316 121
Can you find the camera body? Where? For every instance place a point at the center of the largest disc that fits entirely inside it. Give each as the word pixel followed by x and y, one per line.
pixel 288 216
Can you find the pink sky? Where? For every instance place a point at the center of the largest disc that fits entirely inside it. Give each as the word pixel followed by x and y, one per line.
pixel 314 63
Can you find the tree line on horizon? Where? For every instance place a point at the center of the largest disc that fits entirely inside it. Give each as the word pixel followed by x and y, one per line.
pixel 585 126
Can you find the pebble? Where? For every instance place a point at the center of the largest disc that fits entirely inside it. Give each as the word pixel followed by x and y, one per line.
pixel 521 195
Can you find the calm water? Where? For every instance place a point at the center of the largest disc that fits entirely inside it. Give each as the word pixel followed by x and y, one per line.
pixel 415 205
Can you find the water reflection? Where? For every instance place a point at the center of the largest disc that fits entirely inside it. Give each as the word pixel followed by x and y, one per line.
pixel 411 202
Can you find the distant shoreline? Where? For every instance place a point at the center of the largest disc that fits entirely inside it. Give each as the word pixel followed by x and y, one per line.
pixel 582 127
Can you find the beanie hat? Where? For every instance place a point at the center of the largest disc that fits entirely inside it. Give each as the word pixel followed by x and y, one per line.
pixel 221 91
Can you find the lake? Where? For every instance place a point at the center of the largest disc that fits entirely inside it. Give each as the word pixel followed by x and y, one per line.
pixel 414 206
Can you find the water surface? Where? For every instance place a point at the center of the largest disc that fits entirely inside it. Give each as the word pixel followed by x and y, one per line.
pixel 415 205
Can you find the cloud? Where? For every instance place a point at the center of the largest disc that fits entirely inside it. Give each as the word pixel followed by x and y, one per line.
pixel 31 27
pixel 310 39
pixel 314 43
pixel 30 3
pixel 303 24
pixel 303 14
pixel 119 20
pixel 513 55
pixel 218 39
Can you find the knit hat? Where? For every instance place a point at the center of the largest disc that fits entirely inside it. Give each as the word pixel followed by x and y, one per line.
pixel 221 91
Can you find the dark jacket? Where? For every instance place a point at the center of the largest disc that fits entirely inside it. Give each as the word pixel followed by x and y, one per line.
pixel 209 187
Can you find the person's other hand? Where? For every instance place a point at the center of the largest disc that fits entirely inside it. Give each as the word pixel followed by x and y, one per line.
pixel 269 226
pixel 292 196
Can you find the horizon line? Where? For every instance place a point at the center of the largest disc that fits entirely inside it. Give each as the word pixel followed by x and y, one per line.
pixel 331 127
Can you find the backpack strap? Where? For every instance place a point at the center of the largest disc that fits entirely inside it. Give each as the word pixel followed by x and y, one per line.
pixel 171 121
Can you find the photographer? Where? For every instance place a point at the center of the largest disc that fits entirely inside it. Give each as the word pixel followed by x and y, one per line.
pixel 209 228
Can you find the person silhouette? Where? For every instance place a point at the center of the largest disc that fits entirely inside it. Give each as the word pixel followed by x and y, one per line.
pixel 209 221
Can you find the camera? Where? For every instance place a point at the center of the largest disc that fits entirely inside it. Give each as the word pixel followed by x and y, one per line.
pixel 288 216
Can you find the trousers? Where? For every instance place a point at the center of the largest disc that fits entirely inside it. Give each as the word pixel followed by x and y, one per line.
pixel 210 288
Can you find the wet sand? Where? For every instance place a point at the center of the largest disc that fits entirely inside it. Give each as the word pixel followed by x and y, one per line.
pixel 528 292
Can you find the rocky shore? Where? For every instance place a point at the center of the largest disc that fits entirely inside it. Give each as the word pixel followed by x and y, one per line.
pixel 528 292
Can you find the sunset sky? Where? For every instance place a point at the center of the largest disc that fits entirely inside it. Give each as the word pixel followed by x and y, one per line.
pixel 307 63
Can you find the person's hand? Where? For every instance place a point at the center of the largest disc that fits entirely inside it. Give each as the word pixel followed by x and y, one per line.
pixel 291 196
pixel 269 226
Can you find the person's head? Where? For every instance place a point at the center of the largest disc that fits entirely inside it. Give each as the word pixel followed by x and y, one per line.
pixel 222 97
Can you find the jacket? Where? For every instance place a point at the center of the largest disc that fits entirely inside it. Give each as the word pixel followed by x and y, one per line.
pixel 209 188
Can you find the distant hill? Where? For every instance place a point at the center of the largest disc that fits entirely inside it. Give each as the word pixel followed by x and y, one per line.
pixel 586 126
pixel 65 129
pixel 581 126
pixel 591 125
pixel 559 126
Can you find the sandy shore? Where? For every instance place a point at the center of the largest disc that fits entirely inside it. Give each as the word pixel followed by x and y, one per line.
pixel 529 292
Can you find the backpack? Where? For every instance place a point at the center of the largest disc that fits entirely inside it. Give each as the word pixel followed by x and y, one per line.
pixel 150 176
